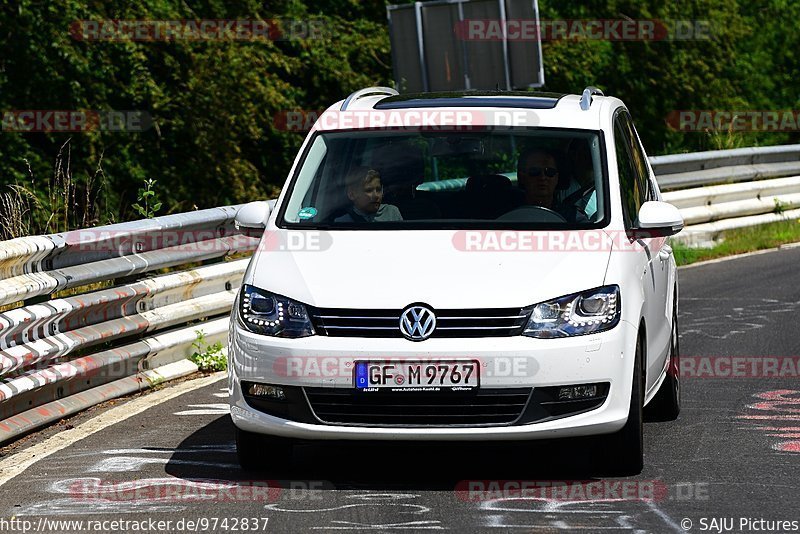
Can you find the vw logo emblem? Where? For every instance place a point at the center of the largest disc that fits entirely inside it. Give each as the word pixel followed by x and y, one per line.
pixel 417 323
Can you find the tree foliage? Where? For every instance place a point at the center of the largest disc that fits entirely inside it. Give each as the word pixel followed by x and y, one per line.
pixel 214 139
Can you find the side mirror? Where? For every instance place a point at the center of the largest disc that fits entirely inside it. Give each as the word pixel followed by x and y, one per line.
pixel 660 218
pixel 253 217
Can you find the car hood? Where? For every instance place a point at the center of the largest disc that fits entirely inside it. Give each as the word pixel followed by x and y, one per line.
pixel 444 269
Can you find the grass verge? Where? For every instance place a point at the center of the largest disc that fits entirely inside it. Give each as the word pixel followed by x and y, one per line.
pixel 742 240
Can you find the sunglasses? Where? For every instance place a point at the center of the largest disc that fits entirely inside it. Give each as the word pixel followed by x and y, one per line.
pixel 550 172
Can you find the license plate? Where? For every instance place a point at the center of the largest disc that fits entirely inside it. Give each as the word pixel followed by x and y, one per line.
pixel 415 376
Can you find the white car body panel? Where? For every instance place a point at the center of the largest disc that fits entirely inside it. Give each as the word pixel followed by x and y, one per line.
pixel 330 278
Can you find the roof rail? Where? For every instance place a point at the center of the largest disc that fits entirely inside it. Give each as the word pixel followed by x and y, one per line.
pixel 388 91
pixel 586 97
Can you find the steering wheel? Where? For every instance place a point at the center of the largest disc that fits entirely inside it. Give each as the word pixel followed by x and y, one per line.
pixel 532 214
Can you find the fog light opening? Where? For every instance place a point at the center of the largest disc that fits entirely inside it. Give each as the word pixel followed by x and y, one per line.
pixel 265 390
pixel 577 392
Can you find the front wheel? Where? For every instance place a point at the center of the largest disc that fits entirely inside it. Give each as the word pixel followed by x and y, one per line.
pixel 666 405
pixel 625 448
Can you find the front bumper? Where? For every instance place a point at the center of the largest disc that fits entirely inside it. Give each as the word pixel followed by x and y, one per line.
pixel 506 362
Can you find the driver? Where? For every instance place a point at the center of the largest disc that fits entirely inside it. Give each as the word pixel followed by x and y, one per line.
pixel 538 175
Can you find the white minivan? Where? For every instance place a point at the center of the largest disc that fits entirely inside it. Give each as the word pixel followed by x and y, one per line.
pixel 459 266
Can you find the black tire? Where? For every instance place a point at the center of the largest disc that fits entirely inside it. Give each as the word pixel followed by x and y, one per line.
pixel 666 405
pixel 625 448
pixel 257 451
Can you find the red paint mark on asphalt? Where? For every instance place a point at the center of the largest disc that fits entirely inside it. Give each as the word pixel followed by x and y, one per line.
pixel 779 394
pixel 782 431
pixel 788 446
pixel 777 405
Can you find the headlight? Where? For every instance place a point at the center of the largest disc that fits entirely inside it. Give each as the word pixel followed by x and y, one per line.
pixel 262 312
pixel 588 312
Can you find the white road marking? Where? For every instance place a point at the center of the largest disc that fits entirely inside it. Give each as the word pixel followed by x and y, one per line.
pixel 196 449
pixel 665 517
pixel 371 502
pixel 18 462
pixel 715 320
pixel 593 515
pixel 119 464
pixel 417 508
pixel 202 412
pixel 78 507
pixel 206 409
pixel 349 525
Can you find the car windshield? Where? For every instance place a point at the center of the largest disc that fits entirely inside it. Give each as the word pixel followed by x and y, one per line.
pixel 509 178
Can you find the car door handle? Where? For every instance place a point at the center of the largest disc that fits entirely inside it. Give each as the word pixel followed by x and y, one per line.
pixel 665 253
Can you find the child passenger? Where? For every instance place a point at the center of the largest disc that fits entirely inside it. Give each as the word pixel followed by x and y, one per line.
pixel 365 191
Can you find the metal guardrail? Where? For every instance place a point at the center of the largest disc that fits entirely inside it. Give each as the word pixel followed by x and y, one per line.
pixel 60 355
pixel 706 204
pixel 680 171
pixel 726 189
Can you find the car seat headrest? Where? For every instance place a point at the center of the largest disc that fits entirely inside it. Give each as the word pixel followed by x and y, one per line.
pixel 399 163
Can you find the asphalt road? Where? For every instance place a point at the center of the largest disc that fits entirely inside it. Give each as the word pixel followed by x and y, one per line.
pixel 732 455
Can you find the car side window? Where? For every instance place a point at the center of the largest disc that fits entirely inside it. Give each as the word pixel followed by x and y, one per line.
pixel 639 159
pixel 627 177
pixel 651 180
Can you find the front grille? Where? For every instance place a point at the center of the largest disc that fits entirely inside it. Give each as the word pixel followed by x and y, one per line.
pixel 494 322
pixel 482 407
